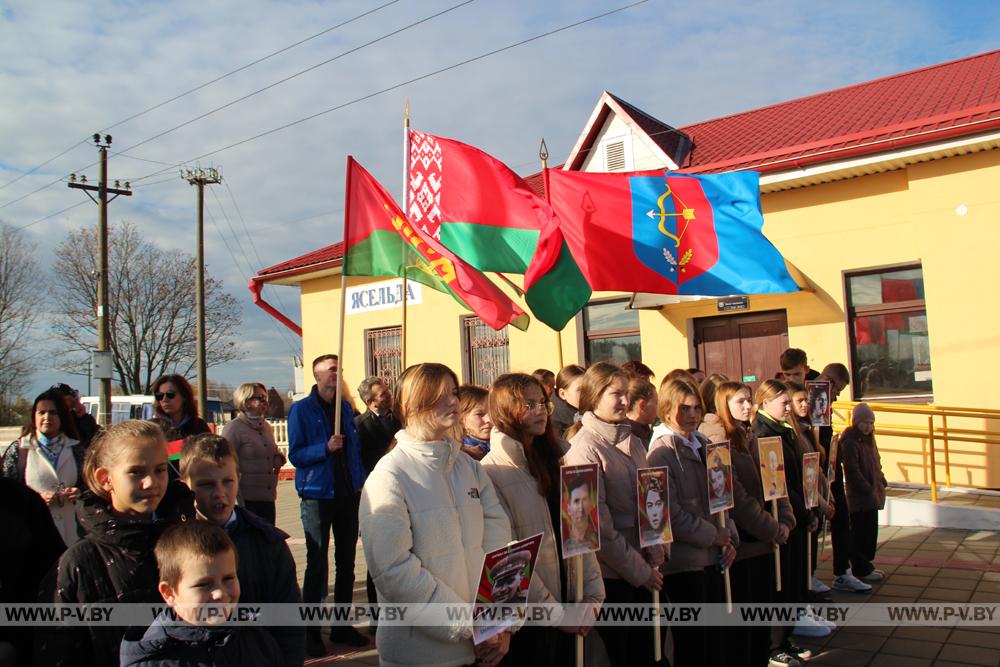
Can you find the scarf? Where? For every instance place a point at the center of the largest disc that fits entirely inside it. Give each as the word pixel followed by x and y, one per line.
pixel 50 448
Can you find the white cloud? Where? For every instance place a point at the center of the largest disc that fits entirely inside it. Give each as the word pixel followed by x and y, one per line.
pixel 68 69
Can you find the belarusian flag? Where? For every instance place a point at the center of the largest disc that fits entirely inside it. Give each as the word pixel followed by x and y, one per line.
pixel 490 217
pixel 380 241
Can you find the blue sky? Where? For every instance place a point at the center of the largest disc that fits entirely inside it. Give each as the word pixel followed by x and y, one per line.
pixel 68 69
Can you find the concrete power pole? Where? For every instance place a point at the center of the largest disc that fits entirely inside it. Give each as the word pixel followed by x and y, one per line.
pixel 103 311
pixel 201 178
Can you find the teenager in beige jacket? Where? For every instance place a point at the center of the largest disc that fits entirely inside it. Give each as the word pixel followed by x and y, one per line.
pixel 630 573
pixel 700 547
pixel 523 464
pixel 428 516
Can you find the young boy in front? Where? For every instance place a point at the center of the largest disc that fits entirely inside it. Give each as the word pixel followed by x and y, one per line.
pixel 210 466
pixel 197 563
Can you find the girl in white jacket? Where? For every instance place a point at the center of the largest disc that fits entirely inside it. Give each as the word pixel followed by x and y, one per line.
pixel 428 515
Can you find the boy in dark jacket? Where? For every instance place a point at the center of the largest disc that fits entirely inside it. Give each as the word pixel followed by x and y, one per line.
pixel 197 563
pixel 209 465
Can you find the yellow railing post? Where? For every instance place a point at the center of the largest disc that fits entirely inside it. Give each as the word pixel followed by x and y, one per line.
pixel 947 460
pixel 930 444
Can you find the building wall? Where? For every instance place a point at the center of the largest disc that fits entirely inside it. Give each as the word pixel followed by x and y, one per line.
pixel 904 216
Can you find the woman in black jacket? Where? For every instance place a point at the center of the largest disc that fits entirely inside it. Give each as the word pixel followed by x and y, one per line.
pixel 772 405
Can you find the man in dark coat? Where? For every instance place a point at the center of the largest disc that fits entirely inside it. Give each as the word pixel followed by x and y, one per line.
pixel 378 425
pixel 376 429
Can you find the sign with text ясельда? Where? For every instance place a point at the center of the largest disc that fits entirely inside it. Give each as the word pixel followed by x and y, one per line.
pixel 383 295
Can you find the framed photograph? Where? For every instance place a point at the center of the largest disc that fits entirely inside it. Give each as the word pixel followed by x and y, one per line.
pixel 502 597
pixel 719 464
pixel 819 402
pixel 810 479
pixel 580 530
pixel 653 504
pixel 772 468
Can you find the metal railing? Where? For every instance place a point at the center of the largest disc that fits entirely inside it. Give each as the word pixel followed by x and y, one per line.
pixel 936 429
pixel 280 427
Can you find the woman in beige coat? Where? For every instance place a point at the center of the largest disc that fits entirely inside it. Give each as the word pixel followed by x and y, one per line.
pixel 260 459
pixel 523 464
pixel 700 545
pixel 630 573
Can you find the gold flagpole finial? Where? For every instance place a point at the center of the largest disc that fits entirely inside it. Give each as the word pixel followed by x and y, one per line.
pixel 406 112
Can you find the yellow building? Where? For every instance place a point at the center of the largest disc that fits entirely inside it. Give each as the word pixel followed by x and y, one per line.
pixel 882 197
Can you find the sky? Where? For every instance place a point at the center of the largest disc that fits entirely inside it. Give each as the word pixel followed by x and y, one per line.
pixel 69 69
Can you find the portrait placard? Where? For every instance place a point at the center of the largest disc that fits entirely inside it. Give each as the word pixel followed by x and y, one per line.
pixel 719 465
pixel 579 528
pixel 819 402
pixel 810 479
pixel 653 505
pixel 772 468
pixel 502 597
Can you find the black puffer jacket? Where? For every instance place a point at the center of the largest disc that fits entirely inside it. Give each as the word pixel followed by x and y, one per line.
pixel 114 562
pixel 196 646
pixel 767 428
pixel 563 415
pixel 267 574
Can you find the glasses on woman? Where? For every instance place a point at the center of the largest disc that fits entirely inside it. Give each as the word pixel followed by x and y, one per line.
pixel 259 399
pixel 548 406
pixel 160 395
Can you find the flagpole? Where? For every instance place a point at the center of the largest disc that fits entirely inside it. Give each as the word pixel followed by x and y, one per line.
pixel 543 154
pixel 406 212
pixel 343 299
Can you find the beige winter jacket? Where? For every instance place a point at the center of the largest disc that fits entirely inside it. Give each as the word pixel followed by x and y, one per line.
pixel 712 428
pixel 694 527
pixel 529 515
pixel 619 454
pixel 260 458
pixel 428 516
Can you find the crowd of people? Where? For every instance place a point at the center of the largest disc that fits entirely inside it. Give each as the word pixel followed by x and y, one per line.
pixel 432 475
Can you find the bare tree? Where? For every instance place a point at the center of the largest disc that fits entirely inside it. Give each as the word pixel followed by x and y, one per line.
pixel 152 307
pixel 20 290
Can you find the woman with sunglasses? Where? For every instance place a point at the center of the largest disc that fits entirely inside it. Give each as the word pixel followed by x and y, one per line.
pixel 523 463
pixel 260 459
pixel 175 409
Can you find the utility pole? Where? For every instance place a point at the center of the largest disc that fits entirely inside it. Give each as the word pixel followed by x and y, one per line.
pixel 201 178
pixel 103 312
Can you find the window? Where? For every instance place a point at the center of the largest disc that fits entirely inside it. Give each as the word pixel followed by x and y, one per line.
pixel 383 353
pixel 611 332
pixel 485 352
pixel 887 321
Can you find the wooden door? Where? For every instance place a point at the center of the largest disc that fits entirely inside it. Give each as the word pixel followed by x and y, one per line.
pixel 744 348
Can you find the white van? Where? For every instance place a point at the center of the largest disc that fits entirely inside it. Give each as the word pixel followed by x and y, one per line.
pixel 140 406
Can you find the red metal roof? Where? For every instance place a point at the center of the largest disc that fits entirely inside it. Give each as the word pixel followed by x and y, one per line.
pixel 317 259
pixel 957 98
pixel 961 97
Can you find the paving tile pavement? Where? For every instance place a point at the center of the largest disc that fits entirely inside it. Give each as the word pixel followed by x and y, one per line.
pixel 921 563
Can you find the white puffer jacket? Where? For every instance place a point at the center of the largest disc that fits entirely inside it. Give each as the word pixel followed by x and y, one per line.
pixel 428 516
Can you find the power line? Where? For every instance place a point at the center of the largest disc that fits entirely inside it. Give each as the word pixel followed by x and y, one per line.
pixel 402 84
pixel 54 157
pixel 297 74
pixel 68 208
pixel 197 88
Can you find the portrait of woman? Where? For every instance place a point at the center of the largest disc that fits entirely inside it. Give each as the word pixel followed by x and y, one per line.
pixel 653 507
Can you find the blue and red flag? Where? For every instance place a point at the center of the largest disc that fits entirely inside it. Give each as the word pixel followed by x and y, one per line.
pixel 660 232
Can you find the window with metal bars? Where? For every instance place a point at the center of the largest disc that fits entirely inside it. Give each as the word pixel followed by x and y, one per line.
pixel 485 352
pixel 383 353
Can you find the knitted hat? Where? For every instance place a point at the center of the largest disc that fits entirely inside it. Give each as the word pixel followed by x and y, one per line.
pixel 861 413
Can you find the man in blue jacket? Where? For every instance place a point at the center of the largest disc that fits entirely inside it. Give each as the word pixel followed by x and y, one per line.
pixel 328 478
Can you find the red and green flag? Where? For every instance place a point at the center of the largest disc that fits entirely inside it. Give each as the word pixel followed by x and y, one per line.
pixel 174 448
pixel 490 217
pixel 380 241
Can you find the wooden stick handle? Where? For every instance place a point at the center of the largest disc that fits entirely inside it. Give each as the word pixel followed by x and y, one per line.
pixel 657 646
pixel 809 560
pixel 777 551
pixel 725 573
pixel 578 562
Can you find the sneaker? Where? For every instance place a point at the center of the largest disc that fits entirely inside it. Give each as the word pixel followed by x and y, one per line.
pixel 795 650
pixel 848 582
pixel 348 635
pixel 874 575
pixel 315 648
pixel 818 586
pixel 780 658
pixel 809 626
